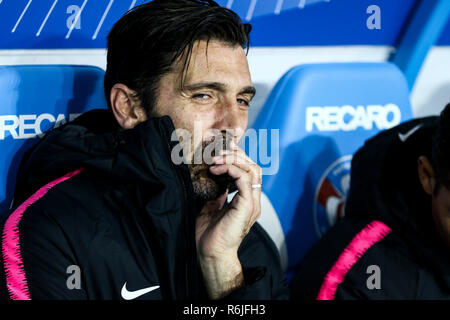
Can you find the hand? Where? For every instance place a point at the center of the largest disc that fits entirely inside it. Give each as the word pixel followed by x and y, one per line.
pixel 220 231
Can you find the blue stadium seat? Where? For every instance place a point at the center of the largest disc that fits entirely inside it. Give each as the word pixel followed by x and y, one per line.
pixel 324 113
pixel 34 99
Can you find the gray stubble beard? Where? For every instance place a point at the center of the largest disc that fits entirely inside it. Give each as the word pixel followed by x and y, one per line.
pixel 212 186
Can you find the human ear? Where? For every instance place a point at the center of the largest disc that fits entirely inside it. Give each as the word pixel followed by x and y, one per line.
pixel 426 174
pixel 126 108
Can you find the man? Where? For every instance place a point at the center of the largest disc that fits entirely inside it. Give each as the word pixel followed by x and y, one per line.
pixel 394 242
pixel 101 209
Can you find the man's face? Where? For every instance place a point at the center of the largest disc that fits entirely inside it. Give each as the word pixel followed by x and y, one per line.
pixel 215 97
pixel 441 212
pixel 440 198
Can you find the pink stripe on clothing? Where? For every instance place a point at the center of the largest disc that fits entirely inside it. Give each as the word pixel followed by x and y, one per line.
pixel 364 240
pixel 15 274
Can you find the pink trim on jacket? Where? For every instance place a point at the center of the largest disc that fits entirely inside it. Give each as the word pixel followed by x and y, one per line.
pixel 364 240
pixel 15 274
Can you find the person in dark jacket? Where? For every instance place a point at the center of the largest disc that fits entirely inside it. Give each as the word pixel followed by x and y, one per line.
pixel 103 211
pixel 394 242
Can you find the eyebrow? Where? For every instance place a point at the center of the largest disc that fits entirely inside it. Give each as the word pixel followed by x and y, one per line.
pixel 221 87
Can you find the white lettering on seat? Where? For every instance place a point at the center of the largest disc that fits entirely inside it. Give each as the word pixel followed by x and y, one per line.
pixel 349 118
pixel 27 126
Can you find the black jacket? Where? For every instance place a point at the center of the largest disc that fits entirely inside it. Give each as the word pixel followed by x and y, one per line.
pixel 388 226
pixel 127 217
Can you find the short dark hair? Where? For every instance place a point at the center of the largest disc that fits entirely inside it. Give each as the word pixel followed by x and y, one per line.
pixel 441 150
pixel 147 40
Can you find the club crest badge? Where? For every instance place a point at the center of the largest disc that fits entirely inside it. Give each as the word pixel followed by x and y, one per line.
pixel 331 194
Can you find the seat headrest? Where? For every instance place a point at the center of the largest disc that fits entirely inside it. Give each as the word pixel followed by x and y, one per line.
pixel 323 114
pixel 34 99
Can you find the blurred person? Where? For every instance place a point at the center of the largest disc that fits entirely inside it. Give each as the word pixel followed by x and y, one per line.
pixel 101 211
pixel 394 242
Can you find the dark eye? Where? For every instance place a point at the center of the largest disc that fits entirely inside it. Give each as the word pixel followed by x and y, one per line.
pixel 243 102
pixel 202 96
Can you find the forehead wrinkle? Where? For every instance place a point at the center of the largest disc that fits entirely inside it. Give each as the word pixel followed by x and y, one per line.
pixel 194 61
pixel 189 62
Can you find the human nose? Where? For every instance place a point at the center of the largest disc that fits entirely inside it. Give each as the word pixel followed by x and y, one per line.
pixel 230 116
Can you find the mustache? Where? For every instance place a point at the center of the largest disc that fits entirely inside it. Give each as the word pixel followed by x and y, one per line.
pixel 219 142
pixel 209 148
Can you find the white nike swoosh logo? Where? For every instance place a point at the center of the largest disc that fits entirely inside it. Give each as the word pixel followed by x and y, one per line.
pixel 404 137
pixel 130 295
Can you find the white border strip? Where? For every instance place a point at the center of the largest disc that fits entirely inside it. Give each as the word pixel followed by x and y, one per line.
pixel 21 16
pixel 251 9
pixel 278 7
pixel 102 20
pixel 132 5
pixel 46 18
pixel 76 20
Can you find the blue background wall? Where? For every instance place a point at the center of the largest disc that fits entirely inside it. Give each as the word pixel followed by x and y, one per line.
pixel 276 22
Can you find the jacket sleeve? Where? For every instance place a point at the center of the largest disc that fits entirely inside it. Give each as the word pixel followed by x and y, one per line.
pixel 263 275
pixel 383 271
pixel 37 261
